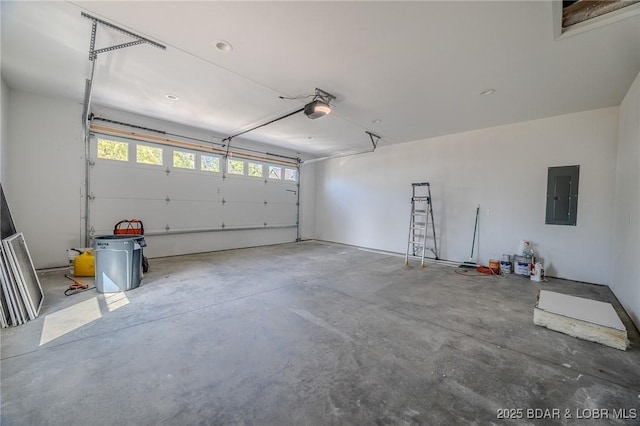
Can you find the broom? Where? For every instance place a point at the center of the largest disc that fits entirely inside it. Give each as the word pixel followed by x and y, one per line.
pixel 471 263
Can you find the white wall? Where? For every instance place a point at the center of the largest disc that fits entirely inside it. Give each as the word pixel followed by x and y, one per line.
pixel 44 174
pixel 626 282
pixel 365 200
pixel 4 124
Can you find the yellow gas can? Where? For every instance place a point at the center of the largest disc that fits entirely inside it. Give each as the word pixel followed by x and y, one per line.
pixel 84 265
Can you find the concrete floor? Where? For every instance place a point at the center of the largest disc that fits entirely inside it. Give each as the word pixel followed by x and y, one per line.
pixel 308 334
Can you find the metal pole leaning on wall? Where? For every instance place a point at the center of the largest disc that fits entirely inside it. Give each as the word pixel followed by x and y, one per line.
pixel 86 111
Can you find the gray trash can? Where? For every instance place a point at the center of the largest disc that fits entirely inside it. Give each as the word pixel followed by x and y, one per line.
pixel 118 262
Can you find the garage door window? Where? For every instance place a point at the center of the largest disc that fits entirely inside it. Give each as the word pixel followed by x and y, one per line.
pixel 275 172
pixel 146 154
pixel 209 163
pixel 113 150
pixel 184 160
pixel 290 174
pixel 235 167
pixel 254 169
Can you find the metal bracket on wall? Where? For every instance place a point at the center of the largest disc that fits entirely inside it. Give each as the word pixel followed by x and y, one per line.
pixel 374 139
pixel 93 52
pixel 227 142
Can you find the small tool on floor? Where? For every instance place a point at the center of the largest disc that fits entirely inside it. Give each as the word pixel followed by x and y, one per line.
pixel 76 287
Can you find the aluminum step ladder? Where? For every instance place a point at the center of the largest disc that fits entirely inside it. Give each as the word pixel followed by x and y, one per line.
pixel 422 229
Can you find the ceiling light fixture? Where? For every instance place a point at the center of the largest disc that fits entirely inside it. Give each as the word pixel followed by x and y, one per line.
pixel 316 109
pixel 487 92
pixel 376 121
pixel 320 105
pixel 172 97
pixel 224 46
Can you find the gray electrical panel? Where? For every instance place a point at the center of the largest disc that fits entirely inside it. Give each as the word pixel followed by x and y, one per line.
pixel 562 195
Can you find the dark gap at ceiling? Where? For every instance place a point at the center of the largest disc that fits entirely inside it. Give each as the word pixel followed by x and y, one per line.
pixel 576 11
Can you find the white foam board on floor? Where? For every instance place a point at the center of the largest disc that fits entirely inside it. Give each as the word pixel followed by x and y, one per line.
pixel 593 311
pixel 579 317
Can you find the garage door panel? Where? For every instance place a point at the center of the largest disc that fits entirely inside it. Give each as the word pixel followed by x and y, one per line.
pixel 194 186
pixel 281 214
pixel 244 214
pixel 281 193
pixel 105 213
pixel 128 182
pixel 243 189
pixel 190 215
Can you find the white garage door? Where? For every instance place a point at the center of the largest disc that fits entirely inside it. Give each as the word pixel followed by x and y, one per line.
pixel 176 190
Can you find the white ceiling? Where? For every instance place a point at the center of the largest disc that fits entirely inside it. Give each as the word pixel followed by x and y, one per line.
pixel 417 66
